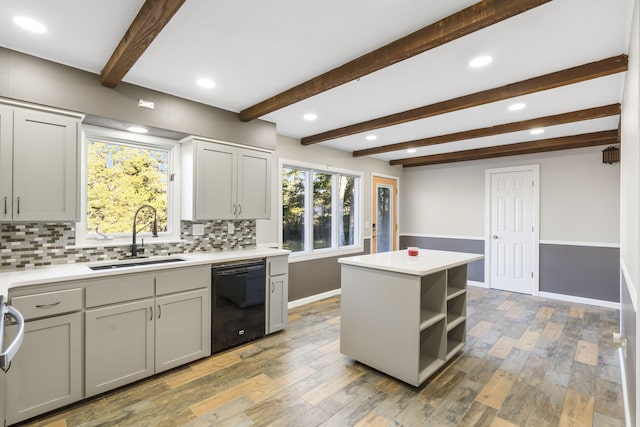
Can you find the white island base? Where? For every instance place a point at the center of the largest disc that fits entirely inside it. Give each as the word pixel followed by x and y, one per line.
pixel 404 315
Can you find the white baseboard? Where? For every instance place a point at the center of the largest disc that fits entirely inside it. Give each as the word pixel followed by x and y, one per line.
pixel 477 284
pixel 625 393
pixel 313 298
pixel 580 300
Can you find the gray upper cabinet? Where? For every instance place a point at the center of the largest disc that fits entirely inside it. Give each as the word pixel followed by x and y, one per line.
pixel 223 181
pixel 38 165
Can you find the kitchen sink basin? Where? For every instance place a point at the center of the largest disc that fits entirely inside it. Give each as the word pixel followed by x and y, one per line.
pixel 135 263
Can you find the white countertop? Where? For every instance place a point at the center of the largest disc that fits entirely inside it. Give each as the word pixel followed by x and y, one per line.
pixel 426 262
pixel 66 272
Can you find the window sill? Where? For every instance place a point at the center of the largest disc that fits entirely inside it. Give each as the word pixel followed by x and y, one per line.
pixel 293 258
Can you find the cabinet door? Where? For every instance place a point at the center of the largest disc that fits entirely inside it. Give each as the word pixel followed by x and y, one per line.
pixel 278 303
pixel 6 161
pixel 254 184
pixel 46 372
pixel 215 181
pixel 119 345
pixel 183 328
pixel 45 168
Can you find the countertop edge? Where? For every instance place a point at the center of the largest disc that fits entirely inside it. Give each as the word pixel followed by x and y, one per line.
pixel 81 271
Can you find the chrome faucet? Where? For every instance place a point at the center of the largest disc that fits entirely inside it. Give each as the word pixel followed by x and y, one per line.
pixel 154 228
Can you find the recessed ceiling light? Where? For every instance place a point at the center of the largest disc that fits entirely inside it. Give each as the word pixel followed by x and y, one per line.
pixel 371 137
pixel 137 129
pixel 480 61
pixel 206 83
pixel 29 24
pixel 310 116
pixel 517 106
pixel 411 150
pixel 536 131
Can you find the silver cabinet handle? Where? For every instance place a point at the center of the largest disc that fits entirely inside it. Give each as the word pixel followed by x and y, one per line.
pixel 234 208
pixel 272 288
pixel 150 313
pixel 53 304
pixel 18 212
pixel 239 209
pixel 159 311
pixel 5 205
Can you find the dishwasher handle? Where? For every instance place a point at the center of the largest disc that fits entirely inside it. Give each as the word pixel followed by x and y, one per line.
pixel 7 355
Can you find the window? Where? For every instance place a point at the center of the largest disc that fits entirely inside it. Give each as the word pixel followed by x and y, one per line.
pixel 320 209
pixel 121 173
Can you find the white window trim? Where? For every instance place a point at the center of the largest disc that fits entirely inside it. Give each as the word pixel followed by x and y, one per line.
pixel 173 190
pixel 309 253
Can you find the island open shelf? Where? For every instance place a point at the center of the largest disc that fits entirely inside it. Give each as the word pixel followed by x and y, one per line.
pixel 404 315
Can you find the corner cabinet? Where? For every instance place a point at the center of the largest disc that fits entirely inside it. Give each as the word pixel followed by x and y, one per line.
pixel 224 181
pixel 38 164
pixel 277 293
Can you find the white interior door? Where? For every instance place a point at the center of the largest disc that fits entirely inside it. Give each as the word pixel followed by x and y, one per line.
pixel 512 238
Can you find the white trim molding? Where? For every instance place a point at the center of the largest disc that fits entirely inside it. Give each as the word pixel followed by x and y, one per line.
pixel 580 300
pixel 314 298
pixel 625 390
pixel 477 284
pixel 633 294
pixel 588 244
pixel 441 236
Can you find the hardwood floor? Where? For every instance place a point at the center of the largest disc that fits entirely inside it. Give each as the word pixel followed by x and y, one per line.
pixel 528 362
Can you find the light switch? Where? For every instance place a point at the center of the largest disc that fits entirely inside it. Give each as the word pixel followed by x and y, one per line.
pixel 230 228
pixel 197 229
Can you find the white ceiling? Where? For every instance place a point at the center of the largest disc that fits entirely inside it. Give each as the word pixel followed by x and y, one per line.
pixel 257 49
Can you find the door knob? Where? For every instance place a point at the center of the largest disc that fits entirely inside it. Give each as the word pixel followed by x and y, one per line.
pixel 494 236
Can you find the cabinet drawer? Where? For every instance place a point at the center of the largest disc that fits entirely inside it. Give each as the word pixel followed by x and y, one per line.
pixel 48 303
pixel 183 279
pixel 278 265
pixel 119 289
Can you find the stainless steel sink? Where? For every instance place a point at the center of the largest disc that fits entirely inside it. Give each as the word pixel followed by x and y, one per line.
pixel 135 263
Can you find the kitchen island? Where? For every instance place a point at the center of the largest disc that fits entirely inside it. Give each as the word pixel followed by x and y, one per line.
pixel 404 315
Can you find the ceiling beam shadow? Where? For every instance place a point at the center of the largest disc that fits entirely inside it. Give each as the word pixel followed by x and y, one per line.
pixel 466 21
pixel 556 79
pixel 551 144
pixel 150 20
pixel 558 119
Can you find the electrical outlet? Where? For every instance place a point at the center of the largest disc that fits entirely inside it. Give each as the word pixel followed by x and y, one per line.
pixel 230 228
pixel 197 229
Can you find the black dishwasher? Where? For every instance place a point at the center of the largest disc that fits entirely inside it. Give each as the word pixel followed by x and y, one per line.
pixel 237 304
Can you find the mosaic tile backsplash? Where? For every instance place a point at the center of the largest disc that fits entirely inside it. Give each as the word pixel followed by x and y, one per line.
pixel 28 245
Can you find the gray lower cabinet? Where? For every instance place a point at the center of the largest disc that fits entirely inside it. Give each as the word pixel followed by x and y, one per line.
pixel 119 342
pixel 183 331
pixel 277 293
pixel 129 340
pixel 47 372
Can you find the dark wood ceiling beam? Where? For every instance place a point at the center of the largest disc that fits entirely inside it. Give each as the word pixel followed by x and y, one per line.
pixel 150 20
pixel 569 76
pixel 466 21
pixel 551 144
pixel 574 116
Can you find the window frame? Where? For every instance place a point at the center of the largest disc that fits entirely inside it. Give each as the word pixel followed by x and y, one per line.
pixel 335 250
pixel 91 133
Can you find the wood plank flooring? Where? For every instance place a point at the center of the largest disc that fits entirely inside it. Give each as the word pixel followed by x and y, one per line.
pixel 528 362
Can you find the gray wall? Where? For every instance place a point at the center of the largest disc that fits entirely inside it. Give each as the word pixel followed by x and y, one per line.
pixel 628 318
pixel 308 278
pixel 30 79
pixel 476 268
pixel 582 271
